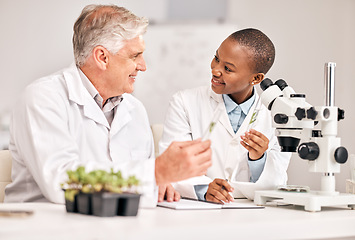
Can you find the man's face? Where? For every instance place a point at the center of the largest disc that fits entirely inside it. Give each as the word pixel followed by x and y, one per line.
pixel 232 71
pixel 123 67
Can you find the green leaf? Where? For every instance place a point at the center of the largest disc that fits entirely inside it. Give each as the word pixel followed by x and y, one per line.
pixel 70 194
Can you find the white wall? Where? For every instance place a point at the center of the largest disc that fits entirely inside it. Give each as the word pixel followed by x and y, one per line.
pixel 36 40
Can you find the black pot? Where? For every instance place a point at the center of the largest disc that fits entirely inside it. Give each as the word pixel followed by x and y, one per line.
pixel 72 206
pixel 104 204
pixel 128 204
pixel 84 201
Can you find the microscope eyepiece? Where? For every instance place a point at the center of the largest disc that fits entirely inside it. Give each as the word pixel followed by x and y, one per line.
pixel 281 84
pixel 266 83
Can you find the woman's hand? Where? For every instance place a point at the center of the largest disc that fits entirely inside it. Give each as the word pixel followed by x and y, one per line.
pixel 219 191
pixel 256 143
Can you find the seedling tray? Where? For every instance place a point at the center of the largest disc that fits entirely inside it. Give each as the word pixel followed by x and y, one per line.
pixel 104 204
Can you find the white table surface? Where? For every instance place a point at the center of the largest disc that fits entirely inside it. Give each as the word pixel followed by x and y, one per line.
pixel 51 221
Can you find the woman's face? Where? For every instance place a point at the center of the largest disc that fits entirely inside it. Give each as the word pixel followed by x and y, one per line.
pixel 232 71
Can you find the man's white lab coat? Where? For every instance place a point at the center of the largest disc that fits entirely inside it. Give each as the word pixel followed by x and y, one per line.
pixel 58 126
pixel 189 115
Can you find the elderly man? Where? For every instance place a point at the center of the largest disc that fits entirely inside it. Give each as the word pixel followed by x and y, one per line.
pixel 84 115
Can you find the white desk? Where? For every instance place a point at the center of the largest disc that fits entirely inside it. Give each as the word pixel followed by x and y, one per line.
pixel 51 221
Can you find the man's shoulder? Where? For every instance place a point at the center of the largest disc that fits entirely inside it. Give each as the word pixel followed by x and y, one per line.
pixel 52 81
pixel 47 87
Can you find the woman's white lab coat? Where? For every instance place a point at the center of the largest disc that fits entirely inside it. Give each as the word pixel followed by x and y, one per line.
pixel 189 115
pixel 58 126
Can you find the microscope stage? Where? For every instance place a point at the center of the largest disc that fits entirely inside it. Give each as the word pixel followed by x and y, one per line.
pixel 312 201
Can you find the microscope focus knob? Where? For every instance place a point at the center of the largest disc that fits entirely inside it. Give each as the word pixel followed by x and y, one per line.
pixel 341 155
pixel 281 118
pixel 300 113
pixel 308 151
pixel 312 113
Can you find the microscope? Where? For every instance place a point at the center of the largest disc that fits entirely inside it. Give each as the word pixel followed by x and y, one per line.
pixel 295 122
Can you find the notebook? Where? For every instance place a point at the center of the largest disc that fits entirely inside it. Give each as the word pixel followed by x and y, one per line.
pixel 190 204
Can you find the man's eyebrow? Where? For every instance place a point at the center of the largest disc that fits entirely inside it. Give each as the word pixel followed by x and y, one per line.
pixel 137 53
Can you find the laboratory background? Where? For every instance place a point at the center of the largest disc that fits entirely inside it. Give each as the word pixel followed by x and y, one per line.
pixel 180 43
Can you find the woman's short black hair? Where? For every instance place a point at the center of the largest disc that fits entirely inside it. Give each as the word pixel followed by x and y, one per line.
pixel 260 45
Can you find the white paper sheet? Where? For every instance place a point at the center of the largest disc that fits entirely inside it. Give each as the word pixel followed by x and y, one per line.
pixel 187 204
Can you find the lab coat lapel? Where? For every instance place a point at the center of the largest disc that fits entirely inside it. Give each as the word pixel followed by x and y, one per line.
pixel 244 127
pixel 234 167
pixel 78 94
pixel 93 111
pixel 224 120
pixel 122 115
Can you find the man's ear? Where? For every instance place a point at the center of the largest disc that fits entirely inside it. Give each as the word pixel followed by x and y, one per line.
pixel 100 55
pixel 257 78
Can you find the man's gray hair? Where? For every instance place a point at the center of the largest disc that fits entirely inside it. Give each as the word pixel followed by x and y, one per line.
pixel 104 25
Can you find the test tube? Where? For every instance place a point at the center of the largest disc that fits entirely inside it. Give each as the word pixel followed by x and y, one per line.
pixel 216 115
pixel 252 121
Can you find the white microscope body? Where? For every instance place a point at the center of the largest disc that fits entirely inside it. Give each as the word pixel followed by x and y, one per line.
pixel 295 120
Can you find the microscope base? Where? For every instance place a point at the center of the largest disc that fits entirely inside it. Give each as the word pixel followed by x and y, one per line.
pixel 311 201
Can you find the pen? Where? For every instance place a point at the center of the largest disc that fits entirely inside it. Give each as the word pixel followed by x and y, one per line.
pixel 230 193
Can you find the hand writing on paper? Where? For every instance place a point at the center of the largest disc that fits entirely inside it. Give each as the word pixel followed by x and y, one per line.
pixel 218 191
pixel 256 143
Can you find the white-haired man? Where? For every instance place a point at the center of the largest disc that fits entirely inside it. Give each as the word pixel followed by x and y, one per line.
pixel 84 115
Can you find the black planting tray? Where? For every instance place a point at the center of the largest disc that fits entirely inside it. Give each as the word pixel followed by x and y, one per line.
pixel 104 204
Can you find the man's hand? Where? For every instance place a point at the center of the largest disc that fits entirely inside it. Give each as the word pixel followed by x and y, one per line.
pixel 218 191
pixel 256 143
pixel 183 160
pixel 168 192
